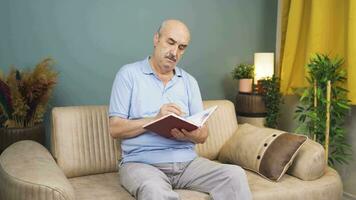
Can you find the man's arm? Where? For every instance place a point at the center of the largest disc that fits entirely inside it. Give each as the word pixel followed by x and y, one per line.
pixel 126 128
pixel 199 137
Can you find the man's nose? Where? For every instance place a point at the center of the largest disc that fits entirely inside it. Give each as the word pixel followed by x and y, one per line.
pixel 174 50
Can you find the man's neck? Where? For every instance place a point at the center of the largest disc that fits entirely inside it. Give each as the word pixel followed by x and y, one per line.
pixel 165 77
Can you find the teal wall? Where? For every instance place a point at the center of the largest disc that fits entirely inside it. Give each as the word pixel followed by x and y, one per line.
pixel 91 39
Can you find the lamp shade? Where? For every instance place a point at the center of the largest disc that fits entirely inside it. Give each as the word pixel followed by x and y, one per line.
pixel 264 65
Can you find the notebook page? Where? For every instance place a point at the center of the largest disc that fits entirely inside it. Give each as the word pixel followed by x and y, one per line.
pixel 200 118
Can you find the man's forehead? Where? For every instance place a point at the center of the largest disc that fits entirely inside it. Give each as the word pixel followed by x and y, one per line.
pixel 178 36
pixel 176 31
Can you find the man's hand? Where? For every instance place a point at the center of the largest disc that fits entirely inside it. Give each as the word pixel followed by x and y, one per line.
pixel 168 109
pixel 197 136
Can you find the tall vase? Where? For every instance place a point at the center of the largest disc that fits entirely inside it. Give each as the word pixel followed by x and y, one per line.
pixel 245 85
pixel 9 136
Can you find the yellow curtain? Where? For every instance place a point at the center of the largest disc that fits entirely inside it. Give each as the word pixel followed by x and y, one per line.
pixel 316 26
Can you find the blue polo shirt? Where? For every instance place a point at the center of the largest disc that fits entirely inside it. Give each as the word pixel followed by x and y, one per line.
pixel 137 93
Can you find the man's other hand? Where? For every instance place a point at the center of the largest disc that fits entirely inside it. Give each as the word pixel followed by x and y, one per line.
pixel 197 136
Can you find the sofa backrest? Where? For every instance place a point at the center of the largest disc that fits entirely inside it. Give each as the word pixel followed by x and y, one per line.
pixel 222 124
pixel 82 145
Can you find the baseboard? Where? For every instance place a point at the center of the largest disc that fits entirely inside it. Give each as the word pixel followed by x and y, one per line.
pixel 349 196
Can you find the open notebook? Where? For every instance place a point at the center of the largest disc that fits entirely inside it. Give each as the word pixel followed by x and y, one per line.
pixel 165 124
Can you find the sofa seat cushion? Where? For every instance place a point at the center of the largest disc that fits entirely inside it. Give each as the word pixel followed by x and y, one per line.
pixel 107 187
pixel 101 186
pixel 328 186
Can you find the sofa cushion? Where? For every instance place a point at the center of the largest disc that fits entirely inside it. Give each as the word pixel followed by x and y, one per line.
pixel 266 151
pixel 81 143
pixel 310 163
pixel 107 187
pixel 221 125
pixel 328 186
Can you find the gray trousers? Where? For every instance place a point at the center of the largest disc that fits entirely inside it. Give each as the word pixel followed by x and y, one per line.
pixel 220 181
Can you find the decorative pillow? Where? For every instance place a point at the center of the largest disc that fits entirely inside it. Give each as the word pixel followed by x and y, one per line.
pixel 310 163
pixel 269 152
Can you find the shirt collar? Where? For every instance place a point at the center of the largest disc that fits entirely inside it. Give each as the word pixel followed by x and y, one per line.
pixel 147 68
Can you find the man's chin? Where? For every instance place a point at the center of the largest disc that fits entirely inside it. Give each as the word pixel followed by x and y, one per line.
pixel 169 65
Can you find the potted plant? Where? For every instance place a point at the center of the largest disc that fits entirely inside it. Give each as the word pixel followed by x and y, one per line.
pixel 24 96
pixel 244 73
pixel 272 98
pixel 324 106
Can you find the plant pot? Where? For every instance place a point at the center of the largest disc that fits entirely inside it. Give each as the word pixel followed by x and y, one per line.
pixel 9 136
pixel 245 85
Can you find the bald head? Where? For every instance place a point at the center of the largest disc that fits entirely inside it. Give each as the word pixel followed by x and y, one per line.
pixel 173 24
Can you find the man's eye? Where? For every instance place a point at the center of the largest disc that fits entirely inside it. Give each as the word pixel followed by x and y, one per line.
pixel 182 47
pixel 170 42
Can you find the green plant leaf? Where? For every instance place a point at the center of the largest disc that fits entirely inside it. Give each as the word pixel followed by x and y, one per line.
pixel 322 68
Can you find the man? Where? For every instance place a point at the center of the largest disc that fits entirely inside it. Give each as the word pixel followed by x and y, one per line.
pixel 152 166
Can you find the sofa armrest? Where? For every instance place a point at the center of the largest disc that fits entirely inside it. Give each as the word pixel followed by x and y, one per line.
pixel 28 171
pixel 310 163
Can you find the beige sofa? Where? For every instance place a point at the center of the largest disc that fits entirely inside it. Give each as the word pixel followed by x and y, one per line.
pixel 84 162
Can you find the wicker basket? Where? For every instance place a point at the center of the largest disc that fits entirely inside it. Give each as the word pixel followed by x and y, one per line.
pixel 9 136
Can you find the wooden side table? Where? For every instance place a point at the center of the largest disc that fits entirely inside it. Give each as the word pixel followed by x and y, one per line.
pixel 250 108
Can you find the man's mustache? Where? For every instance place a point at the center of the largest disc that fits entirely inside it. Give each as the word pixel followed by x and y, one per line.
pixel 171 57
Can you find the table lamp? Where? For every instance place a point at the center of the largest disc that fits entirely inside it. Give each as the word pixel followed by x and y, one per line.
pixel 264 67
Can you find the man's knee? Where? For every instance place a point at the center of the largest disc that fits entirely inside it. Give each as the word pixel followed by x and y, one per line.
pixel 152 186
pixel 150 189
pixel 234 173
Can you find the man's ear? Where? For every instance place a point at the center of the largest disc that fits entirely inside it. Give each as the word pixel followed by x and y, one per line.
pixel 155 39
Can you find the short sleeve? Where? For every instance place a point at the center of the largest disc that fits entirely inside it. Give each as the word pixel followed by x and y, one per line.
pixel 196 102
pixel 121 94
